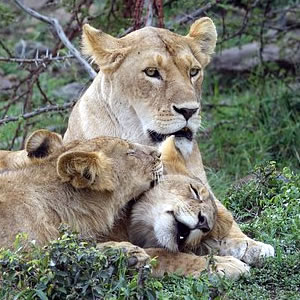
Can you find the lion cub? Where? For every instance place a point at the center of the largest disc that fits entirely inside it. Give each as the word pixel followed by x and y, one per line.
pixel 84 184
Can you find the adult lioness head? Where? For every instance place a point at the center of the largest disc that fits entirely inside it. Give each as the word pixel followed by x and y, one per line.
pixel 84 184
pixel 149 84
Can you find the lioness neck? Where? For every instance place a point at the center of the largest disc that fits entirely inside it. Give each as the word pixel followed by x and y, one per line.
pixel 98 113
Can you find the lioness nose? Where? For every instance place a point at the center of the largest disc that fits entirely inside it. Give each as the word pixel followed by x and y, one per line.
pixel 203 224
pixel 156 154
pixel 186 112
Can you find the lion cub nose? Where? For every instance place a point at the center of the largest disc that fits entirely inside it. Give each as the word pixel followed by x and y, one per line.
pixel 186 112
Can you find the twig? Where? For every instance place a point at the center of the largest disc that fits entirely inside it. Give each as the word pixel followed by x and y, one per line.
pixel 35 60
pixel 61 34
pixel 197 13
pixel 49 108
pixel 6 49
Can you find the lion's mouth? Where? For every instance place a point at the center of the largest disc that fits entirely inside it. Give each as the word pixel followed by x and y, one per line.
pixel 183 233
pixel 159 137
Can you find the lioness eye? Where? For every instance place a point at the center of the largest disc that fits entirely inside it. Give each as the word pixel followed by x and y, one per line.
pixel 152 72
pixel 194 192
pixel 194 72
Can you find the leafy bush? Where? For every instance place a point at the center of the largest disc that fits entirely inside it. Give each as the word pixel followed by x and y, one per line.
pixel 70 268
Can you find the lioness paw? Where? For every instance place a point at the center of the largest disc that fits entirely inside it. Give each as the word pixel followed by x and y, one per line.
pixel 137 257
pixel 229 267
pixel 256 251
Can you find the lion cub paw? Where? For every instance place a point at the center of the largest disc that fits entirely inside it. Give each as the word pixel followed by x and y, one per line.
pixel 229 267
pixel 137 257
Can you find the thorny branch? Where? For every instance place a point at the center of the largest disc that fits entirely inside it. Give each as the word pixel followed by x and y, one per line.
pixel 49 108
pixel 37 60
pixel 61 34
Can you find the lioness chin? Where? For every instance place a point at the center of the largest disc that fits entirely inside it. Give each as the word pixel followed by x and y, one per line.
pixel 148 88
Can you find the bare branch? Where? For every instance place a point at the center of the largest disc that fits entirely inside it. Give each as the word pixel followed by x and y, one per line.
pixel 35 60
pixel 197 13
pixel 6 49
pixel 61 34
pixel 49 108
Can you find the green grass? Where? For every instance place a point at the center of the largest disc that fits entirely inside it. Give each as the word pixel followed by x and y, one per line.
pixel 69 268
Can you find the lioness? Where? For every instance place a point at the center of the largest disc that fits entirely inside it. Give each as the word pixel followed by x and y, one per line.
pixel 149 87
pixel 84 184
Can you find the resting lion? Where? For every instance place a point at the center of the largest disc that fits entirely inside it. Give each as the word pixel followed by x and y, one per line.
pixel 148 88
pixel 38 195
pixel 84 184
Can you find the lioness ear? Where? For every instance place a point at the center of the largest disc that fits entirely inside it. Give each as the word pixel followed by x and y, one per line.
pixel 172 158
pixel 103 48
pixel 86 170
pixel 42 143
pixel 223 223
pixel 204 32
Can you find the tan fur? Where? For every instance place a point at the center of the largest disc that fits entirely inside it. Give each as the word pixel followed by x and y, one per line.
pixel 84 184
pixel 38 145
pixel 153 224
pixel 124 101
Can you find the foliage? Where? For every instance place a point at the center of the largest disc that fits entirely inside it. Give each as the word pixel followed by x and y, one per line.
pixel 70 268
pixel 6 15
pixel 269 206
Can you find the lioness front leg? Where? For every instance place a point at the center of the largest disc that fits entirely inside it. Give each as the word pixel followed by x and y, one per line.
pixel 190 264
pixel 240 246
pixel 137 257
pixel 234 242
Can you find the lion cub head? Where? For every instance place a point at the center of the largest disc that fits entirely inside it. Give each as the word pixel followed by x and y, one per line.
pixel 153 76
pixel 98 164
pixel 179 212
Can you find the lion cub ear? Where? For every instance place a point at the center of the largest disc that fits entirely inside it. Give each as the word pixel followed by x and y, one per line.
pixel 86 170
pixel 204 32
pixel 42 143
pixel 172 158
pixel 103 48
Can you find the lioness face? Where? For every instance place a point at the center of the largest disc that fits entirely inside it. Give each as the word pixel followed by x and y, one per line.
pixel 176 214
pixel 157 76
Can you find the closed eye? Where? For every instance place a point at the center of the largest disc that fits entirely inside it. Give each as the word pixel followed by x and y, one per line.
pixel 131 152
pixel 194 192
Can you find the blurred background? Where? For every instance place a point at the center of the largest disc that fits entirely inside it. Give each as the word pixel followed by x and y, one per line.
pixel 251 92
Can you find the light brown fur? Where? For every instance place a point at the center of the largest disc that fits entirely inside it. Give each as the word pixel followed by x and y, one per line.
pixel 41 218
pixel 83 184
pixel 124 101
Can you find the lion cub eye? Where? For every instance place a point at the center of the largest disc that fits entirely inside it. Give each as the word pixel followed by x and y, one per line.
pixel 152 72
pixel 194 72
pixel 130 152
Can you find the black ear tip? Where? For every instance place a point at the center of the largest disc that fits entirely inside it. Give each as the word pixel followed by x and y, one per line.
pixel 86 174
pixel 41 151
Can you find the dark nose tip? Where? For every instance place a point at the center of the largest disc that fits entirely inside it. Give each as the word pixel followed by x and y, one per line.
pixel 156 154
pixel 186 112
pixel 203 224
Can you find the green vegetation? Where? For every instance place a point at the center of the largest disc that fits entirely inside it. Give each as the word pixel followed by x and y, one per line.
pixel 248 119
pixel 70 268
